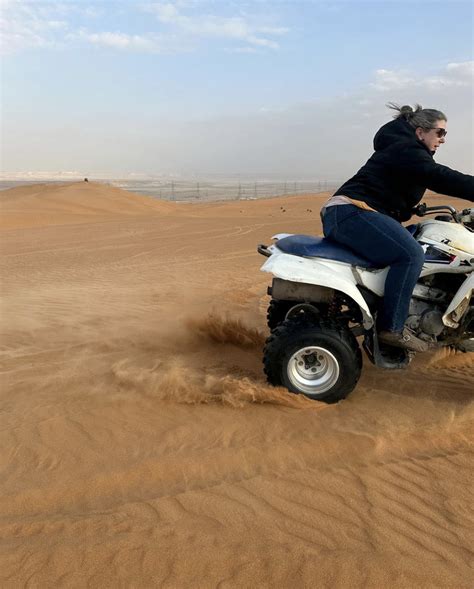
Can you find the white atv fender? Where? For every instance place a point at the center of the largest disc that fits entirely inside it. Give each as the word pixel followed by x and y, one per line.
pixel 460 303
pixel 317 272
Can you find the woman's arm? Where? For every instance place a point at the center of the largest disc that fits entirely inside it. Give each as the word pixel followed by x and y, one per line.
pixel 442 179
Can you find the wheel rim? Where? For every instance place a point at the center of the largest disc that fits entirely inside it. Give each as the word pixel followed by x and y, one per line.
pixel 313 370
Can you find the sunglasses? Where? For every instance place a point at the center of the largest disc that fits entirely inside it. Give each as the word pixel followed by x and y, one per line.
pixel 440 132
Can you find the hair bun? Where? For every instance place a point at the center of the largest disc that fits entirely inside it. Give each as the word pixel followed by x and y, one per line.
pixel 407 111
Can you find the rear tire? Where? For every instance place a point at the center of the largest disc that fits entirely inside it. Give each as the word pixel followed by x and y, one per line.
pixel 277 311
pixel 319 358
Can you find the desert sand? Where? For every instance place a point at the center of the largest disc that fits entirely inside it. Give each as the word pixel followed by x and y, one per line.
pixel 141 446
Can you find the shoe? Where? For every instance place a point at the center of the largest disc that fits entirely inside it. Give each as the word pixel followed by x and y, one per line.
pixel 403 339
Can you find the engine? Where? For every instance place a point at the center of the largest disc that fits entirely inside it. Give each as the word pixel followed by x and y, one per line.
pixel 425 315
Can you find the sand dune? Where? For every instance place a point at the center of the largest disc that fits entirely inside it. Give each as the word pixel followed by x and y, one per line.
pixel 42 205
pixel 141 446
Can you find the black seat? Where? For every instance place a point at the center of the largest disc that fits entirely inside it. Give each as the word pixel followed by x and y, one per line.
pixel 308 246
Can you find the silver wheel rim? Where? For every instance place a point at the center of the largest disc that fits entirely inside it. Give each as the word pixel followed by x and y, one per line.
pixel 313 370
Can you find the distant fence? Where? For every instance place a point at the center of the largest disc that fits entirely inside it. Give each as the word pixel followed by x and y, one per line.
pixel 213 191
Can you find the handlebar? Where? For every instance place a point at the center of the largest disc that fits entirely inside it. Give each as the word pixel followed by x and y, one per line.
pixel 423 209
pixel 464 216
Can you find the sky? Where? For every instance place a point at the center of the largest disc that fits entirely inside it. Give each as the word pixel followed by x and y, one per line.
pixel 201 88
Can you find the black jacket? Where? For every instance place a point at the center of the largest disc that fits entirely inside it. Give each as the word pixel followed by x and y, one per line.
pixel 396 176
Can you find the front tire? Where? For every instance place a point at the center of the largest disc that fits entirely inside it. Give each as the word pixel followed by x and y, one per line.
pixel 319 358
pixel 466 345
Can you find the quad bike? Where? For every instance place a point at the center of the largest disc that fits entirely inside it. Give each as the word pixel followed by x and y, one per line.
pixel 324 301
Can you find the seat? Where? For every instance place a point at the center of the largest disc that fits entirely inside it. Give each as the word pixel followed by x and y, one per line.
pixel 412 229
pixel 308 246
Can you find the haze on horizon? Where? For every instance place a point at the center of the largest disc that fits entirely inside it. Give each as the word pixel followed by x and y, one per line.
pixel 200 88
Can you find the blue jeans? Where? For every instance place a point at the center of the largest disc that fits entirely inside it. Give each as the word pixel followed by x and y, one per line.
pixel 383 241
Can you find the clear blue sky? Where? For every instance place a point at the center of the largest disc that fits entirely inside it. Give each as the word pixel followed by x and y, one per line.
pixel 225 87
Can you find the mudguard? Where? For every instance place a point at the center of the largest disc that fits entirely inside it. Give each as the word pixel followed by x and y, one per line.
pixel 320 273
pixel 460 303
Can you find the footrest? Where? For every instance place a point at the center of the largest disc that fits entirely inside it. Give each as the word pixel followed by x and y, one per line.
pixel 387 357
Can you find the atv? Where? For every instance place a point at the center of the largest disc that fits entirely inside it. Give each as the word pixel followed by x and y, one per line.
pixel 324 301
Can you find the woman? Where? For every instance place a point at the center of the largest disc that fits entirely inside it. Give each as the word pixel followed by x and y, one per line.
pixel 365 212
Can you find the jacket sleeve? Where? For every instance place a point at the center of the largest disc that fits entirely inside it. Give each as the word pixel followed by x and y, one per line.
pixel 426 172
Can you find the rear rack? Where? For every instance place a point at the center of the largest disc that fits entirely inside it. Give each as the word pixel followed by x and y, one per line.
pixel 263 249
